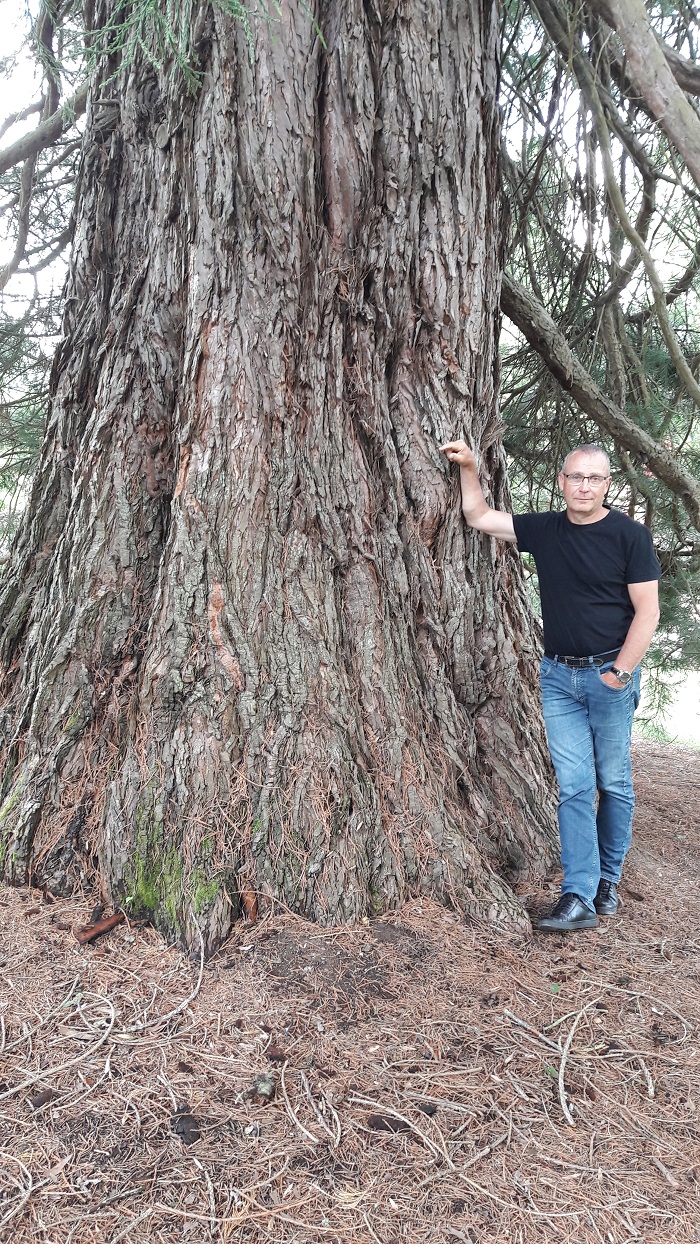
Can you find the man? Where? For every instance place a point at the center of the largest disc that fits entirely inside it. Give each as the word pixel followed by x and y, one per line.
pixel 598 577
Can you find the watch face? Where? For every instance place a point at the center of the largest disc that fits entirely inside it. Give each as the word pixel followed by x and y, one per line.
pixel 622 676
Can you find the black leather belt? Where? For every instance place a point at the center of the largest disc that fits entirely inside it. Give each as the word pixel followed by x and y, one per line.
pixel 580 663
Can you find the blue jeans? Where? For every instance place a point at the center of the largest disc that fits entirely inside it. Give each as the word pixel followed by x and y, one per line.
pixel 589 731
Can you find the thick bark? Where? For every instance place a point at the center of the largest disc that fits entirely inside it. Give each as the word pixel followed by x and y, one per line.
pixel 248 642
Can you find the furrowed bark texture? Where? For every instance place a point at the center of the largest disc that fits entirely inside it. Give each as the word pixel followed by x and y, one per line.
pixel 248 642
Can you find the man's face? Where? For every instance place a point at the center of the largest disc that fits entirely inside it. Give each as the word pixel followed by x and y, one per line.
pixel 584 499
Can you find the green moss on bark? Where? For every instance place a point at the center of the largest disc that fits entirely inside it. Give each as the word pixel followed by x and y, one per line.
pixel 159 885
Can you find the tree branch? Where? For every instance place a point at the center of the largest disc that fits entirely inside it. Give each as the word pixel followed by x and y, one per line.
pixel 651 74
pixel 543 335
pixel 14 117
pixel 556 24
pixel 44 31
pixel 684 372
pixel 554 21
pixel 46 133
pixel 25 202
pixel 60 244
pixel 686 72
pixel 680 286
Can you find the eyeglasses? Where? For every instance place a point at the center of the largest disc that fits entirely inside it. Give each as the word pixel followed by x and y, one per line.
pixel 594 480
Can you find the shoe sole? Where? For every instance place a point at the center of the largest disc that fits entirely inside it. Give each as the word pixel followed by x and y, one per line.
pixel 547 926
pixel 608 911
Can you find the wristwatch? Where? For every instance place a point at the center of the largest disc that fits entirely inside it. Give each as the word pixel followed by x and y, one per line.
pixel 622 676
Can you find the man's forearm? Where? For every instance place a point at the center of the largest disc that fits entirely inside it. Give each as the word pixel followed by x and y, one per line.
pixel 475 508
pixel 474 503
pixel 638 639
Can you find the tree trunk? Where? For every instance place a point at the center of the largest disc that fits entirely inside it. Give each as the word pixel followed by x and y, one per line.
pixel 248 642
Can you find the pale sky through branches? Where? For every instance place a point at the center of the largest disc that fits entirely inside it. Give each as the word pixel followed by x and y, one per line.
pixel 20 85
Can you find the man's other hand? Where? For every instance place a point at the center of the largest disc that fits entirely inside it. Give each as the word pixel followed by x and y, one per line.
pixel 611 681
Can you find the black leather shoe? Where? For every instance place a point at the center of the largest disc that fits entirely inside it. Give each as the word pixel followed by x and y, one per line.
pixel 570 913
pixel 606 901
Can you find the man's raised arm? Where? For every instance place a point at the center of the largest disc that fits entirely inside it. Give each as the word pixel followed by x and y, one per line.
pixel 475 508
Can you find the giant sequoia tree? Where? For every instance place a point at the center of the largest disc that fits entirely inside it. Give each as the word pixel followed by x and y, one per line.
pixel 247 641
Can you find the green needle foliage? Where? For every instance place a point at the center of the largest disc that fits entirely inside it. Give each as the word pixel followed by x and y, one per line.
pixel 25 360
pixel 163 32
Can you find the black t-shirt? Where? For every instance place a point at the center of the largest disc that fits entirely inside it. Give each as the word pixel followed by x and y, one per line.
pixel 583 571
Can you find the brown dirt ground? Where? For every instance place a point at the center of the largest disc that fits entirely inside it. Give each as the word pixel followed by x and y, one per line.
pixel 422 1069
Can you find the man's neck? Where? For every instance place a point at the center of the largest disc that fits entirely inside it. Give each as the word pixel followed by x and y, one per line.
pixel 584 520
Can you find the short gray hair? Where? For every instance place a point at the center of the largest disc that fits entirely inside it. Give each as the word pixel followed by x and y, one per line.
pixel 587 449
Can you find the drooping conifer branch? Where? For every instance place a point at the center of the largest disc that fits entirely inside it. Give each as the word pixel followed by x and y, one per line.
pixel 542 333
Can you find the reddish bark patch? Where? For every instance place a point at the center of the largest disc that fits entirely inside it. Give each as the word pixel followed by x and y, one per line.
pixel 227 658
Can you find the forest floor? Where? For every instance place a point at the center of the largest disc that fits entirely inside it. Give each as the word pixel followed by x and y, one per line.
pixel 429 1080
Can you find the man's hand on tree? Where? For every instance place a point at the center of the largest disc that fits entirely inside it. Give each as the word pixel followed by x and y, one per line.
pixel 475 508
pixel 459 452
